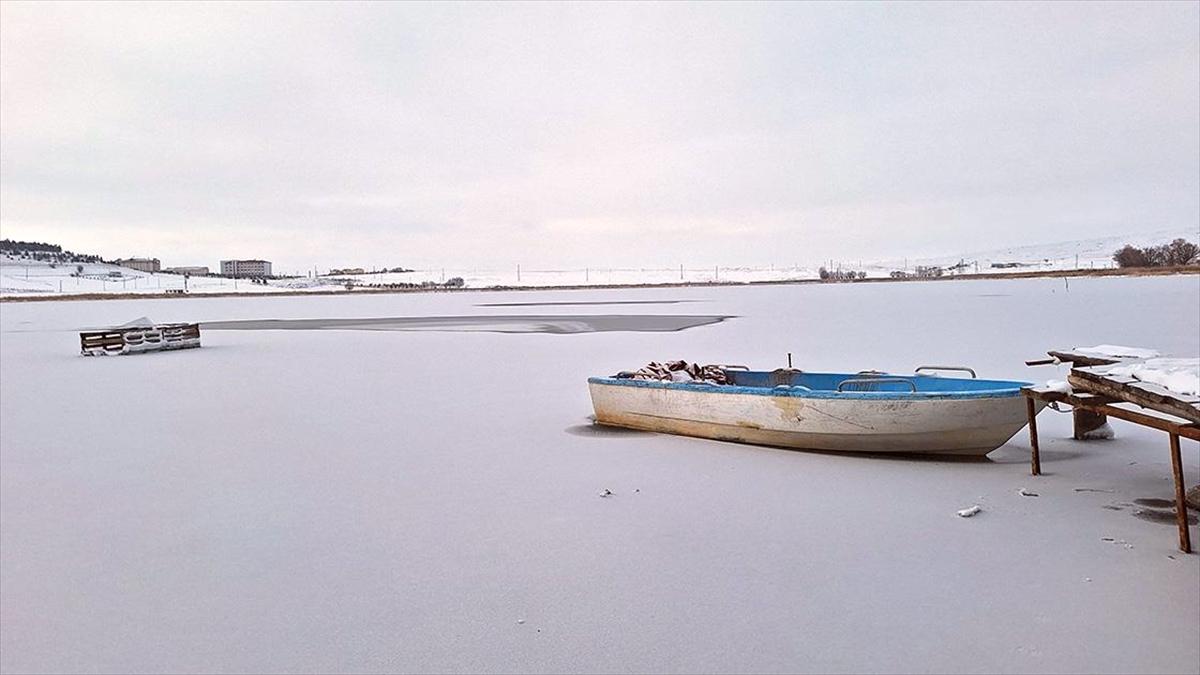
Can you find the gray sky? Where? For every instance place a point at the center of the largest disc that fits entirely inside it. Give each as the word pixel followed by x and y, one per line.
pixel 558 135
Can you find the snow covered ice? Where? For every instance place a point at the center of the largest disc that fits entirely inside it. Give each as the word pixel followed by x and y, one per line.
pixel 360 500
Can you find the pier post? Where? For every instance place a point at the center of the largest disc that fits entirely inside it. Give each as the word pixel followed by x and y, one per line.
pixel 1185 539
pixel 1035 461
pixel 1086 421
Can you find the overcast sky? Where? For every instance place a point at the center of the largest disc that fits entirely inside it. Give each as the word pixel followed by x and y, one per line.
pixel 560 135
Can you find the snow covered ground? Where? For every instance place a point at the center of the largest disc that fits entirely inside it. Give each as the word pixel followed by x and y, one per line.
pixel 1083 254
pixel 25 278
pixel 382 500
pixel 20 277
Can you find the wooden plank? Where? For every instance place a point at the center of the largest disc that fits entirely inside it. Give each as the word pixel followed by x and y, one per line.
pixel 1083 359
pixel 1184 429
pixel 1155 399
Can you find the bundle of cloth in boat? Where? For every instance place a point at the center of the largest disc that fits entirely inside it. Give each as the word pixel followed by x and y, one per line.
pixel 678 371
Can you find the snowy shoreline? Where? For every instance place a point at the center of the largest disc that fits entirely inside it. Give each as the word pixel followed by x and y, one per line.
pixel 46 296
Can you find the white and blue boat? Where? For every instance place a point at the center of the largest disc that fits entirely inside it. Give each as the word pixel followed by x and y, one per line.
pixel 862 412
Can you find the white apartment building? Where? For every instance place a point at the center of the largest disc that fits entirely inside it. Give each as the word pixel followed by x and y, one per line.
pixel 245 268
pixel 193 270
pixel 140 264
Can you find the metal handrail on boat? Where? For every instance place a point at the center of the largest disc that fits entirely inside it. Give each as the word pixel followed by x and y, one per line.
pixel 874 381
pixel 958 368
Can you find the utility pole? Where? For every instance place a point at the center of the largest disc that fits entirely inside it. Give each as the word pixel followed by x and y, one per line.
pixel 518 271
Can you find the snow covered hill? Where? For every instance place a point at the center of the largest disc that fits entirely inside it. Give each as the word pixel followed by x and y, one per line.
pixel 22 277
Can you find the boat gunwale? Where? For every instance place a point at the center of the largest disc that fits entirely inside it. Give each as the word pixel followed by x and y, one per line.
pixel 1011 389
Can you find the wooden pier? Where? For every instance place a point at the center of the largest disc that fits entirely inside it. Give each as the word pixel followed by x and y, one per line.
pixel 1096 396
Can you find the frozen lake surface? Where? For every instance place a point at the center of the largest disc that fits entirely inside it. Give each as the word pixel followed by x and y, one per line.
pixel 365 500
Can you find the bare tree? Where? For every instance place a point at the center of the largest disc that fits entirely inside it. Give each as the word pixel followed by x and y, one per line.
pixel 1130 256
pixel 1182 252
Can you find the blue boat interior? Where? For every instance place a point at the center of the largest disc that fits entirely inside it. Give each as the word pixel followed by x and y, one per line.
pixel 868 384
pixel 864 381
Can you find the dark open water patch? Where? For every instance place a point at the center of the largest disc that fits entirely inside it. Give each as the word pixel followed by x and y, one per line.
pixel 1161 517
pixel 571 303
pixel 496 323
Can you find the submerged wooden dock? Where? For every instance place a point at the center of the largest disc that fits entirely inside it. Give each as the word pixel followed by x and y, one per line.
pixel 139 339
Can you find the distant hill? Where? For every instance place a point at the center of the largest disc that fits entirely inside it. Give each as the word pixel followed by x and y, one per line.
pixel 1096 253
pixel 36 250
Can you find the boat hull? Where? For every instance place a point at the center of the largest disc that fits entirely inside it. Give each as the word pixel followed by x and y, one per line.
pixel 939 426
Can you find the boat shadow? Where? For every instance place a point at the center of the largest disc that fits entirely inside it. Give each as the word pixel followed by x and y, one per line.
pixel 593 429
pixel 1002 455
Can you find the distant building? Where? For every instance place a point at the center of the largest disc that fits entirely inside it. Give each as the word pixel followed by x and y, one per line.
pixel 349 270
pixel 140 264
pixel 192 270
pixel 245 268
